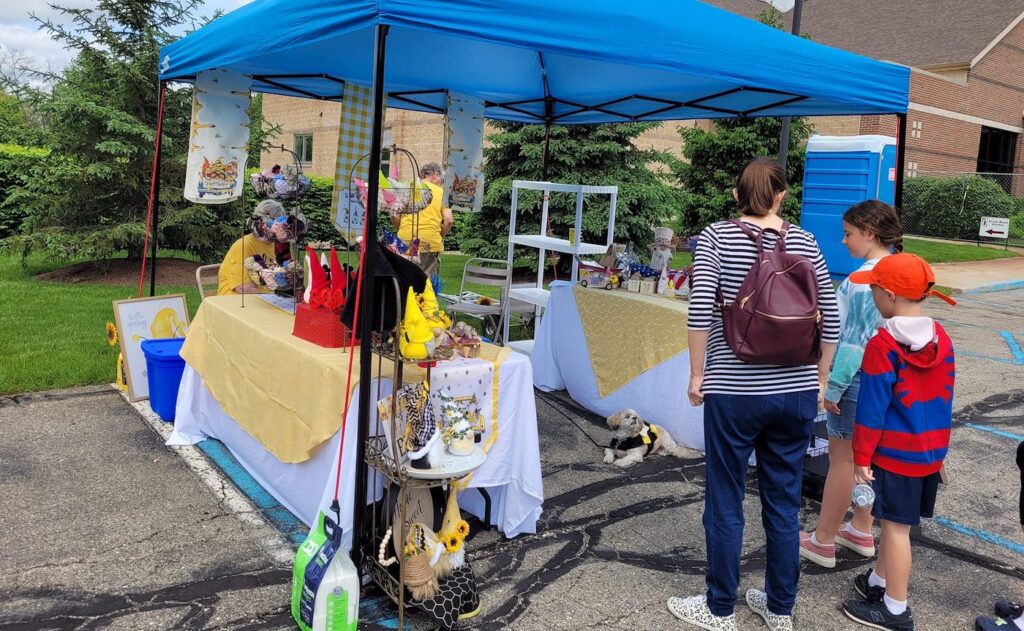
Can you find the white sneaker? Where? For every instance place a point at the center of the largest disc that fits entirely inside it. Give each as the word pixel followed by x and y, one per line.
pixel 758 603
pixel 694 610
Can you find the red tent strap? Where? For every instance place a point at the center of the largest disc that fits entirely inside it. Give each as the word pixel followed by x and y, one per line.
pixel 152 184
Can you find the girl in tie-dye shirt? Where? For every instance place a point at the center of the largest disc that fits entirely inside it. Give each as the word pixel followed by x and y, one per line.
pixel 871 230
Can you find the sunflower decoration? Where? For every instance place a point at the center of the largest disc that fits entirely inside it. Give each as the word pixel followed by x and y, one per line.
pixel 463 528
pixel 452 542
pixel 111 334
pixel 486 301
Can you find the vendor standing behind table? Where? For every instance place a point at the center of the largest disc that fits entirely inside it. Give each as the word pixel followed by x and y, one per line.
pixel 232 279
pixel 435 221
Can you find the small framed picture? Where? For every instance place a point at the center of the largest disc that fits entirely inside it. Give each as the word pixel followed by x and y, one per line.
pixel 141 319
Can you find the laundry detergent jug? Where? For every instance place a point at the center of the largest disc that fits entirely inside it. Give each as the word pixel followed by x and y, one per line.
pixel 325 584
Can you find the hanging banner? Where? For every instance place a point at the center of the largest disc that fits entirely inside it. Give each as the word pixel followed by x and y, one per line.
pixel 219 141
pixel 355 132
pixel 464 163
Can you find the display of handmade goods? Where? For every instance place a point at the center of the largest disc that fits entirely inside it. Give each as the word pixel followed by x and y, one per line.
pixel 285 183
pixel 662 248
pixel 416 449
pixel 317 316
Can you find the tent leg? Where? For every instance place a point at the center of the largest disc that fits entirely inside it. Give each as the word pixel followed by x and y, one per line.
pixel 544 155
pixel 156 188
pixel 901 160
pixel 366 316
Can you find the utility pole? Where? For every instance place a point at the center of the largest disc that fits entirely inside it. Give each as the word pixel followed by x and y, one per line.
pixel 798 9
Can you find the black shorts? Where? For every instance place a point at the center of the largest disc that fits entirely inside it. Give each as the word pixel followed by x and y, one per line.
pixel 902 499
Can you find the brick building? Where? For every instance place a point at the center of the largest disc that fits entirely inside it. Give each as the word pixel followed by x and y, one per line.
pixel 967 80
pixel 966 93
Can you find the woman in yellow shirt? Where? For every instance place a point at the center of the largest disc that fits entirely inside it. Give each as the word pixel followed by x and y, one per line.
pixel 232 277
pixel 433 222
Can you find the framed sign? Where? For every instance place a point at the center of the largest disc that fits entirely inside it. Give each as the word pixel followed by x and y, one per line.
pixel 141 319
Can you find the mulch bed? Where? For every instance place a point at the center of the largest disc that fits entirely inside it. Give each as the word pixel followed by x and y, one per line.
pixel 124 272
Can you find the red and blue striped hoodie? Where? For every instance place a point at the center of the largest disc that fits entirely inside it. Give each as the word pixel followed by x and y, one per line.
pixel 905 406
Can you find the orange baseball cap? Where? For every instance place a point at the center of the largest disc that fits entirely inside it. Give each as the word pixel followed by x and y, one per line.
pixel 906 275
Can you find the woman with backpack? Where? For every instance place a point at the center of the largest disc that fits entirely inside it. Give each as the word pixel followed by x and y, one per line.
pixel 763 326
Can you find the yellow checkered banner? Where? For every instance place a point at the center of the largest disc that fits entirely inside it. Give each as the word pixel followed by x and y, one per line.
pixel 219 138
pixel 464 163
pixel 354 135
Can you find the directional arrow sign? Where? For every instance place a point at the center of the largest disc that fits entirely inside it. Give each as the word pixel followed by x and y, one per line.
pixel 995 227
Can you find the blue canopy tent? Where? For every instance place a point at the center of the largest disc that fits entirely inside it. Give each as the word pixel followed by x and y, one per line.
pixel 535 61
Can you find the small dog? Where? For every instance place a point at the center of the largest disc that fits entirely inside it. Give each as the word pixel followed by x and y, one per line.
pixel 634 438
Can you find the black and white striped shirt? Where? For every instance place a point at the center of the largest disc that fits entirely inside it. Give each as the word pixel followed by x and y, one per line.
pixel 724 256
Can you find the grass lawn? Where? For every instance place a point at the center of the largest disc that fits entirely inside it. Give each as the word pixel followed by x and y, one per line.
pixel 953 252
pixel 52 333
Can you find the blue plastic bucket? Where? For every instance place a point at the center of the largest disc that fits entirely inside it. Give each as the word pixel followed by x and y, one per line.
pixel 164 366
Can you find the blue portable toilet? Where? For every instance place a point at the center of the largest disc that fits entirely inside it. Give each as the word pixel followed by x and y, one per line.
pixel 839 172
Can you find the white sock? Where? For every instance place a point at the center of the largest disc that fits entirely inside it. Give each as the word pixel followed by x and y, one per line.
pixel 1019 621
pixel 895 607
pixel 814 540
pixel 874 580
pixel 853 531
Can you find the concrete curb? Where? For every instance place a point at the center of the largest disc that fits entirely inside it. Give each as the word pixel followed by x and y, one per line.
pixel 273 542
pixel 1005 286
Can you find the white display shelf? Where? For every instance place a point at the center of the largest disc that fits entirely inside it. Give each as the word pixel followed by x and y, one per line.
pixel 523 346
pixel 552 244
pixel 530 295
pixel 452 466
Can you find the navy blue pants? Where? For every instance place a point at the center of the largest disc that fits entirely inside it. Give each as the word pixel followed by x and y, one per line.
pixel 777 428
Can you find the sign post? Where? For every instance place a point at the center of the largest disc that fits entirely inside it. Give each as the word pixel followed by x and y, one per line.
pixel 995 228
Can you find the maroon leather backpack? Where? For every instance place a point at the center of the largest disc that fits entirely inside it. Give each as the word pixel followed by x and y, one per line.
pixel 775 317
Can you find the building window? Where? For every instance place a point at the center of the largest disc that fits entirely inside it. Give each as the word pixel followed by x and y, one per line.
pixel 996 150
pixel 304 148
pixel 385 153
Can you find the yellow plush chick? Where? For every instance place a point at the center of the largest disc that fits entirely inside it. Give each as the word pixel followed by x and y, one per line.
pixel 432 310
pixel 416 331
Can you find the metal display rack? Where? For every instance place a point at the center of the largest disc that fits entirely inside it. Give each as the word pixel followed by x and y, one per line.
pixel 535 293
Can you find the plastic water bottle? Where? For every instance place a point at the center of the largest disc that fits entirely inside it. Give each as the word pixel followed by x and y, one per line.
pixel 863 495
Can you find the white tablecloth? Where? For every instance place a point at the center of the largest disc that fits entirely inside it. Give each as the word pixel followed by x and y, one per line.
pixel 511 473
pixel 561 362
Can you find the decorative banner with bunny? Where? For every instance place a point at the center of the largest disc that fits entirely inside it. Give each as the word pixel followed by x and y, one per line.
pixel 463 167
pixel 219 140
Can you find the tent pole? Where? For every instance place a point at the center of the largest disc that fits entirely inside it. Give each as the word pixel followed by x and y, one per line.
pixel 901 159
pixel 368 301
pixel 544 155
pixel 155 188
pixel 798 11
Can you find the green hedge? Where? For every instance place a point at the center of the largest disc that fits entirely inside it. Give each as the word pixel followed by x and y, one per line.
pixel 952 207
pixel 16 163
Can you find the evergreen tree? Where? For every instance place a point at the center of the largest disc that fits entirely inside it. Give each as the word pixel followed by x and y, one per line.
pixel 101 116
pixel 579 154
pixel 715 158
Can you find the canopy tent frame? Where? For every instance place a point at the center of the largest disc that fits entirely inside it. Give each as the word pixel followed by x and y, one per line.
pixel 660 108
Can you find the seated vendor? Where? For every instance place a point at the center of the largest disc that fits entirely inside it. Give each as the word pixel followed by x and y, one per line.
pixel 232 278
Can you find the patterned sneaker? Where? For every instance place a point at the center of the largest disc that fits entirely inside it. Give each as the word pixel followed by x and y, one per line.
pixel 694 610
pixel 821 555
pixel 865 589
pixel 758 603
pixel 874 614
pixel 1007 609
pixel 864 546
pixel 984 623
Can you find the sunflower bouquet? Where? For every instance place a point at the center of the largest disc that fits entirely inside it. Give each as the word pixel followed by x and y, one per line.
pixel 120 378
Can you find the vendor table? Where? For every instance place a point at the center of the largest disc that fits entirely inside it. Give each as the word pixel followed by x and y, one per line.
pixel 611 349
pixel 276 402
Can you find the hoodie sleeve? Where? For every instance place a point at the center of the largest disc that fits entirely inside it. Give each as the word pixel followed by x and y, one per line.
pixel 878 376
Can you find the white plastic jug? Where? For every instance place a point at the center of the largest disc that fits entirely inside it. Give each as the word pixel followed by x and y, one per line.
pixel 337 599
pixel 325 584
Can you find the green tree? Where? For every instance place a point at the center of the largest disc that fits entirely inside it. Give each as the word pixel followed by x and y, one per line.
pixel 101 116
pixel 579 154
pixel 714 159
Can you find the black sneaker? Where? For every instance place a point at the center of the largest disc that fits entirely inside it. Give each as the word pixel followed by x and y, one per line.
pixel 984 623
pixel 874 614
pixel 1007 609
pixel 865 589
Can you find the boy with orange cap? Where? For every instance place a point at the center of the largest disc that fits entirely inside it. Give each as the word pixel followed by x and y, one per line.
pixel 901 433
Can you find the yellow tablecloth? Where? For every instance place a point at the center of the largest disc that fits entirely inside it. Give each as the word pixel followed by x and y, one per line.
pixel 287 393
pixel 628 333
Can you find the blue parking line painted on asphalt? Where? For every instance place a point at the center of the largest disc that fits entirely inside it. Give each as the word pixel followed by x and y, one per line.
pixel 1013 284
pixel 1001 360
pixel 378 610
pixel 981 535
pixel 997 432
pixel 1011 341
